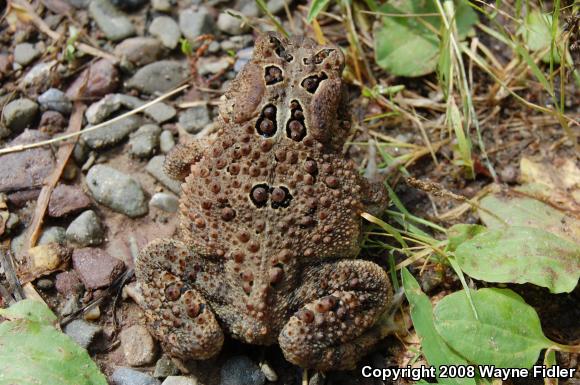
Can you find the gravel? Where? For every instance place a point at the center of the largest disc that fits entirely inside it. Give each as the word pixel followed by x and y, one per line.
pixel 66 200
pixel 56 100
pixel 165 367
pixel 140 50
pixel 194 23
pixel 138 345
pixel 111 134
pixel 160 112
pixel 159 77
pixel 86 230
pixel 20 114
pixel 114 23
pixel 95 267
pixel 99 79
pixel 230 24
pixel 155 168
pixel 194 119
pixel 52 234
pixel 26 53
pixel 180 380
pixel 166 141
pixel 144 141
pixel 240 370
pixel 116 190
pixel 165 29
pixel 165 201
pixel 82 332
pixel 128 376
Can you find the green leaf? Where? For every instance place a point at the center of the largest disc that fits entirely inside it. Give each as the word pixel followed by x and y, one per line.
pixel 460 233
pixel 436 351
pixel 537 33
pixel 33 352
pixel 520 255
pixel 29 310
pixel 507 334
pixel 497 210
pixel 315 8
pixel 407 45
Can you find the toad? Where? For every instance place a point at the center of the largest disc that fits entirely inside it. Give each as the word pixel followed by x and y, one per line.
pixel 270 221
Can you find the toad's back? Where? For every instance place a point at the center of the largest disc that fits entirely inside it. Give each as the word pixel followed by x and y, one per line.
pixel 272 192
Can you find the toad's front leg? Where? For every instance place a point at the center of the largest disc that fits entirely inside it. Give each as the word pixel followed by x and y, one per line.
pixel 176 312
pixel 334 328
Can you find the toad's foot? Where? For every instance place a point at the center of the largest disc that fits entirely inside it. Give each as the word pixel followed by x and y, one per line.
pixel 335 327
pixel 176 312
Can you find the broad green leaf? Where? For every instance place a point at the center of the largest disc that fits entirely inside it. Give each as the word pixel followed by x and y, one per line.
pixel 29 310
pixel 436 351
pixel 408 45
pixel 499 210
pixel 537 33
pixel 33 352
pixel 315 8
pixel 460 233
pixel 507 334
pixel 520 255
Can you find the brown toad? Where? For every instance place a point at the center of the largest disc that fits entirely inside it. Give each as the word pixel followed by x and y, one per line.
pixel 270 222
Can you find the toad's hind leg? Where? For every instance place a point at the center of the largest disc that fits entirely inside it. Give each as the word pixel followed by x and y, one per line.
pixel 334 329
pixel 176 312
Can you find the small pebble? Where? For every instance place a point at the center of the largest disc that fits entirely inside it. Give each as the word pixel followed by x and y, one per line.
pixel 159 77
pixel 68 282
pixel 165 29
pixel 166 141
pixel 111 134
pixel 144 141
pixel 56 100
pixel 165 367
pixel 160 112
pixel 156 169
pixel 140 50
pixel 96 268
pixel 180 380
pixel 52 234
pixel 269 372
pixel 44 284
pixel 66 200
pixel 162 5
pixel 86 230
pixel 82 332
pixel 194 119
pixel 230 24
pixel 114 23
pixel 138 345
pixel 128 376
pixel 25 53
pixel 164 201
pixel 194 23
pixel 19 114
pixel 93 314
pixel 117 190
pixel 240 370
pixel 99 79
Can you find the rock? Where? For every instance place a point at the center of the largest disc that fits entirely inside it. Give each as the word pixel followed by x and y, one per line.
pixel 211 66
pixel 68 282
pixel 12 222
pixel 164 201
pixel 20 114
pixel 86 230
pixel 144 141
pixel 243 57
pixel 230 24
pixel 66 199
pixel 138 345
pixel 52 234
pixel 25 53
pixel 160 112
pixel 140 50
pixel 114 23
pixel 316 379
pixel 96 268
pixel 214 47
pixel 165 367
pixel 277 6
pixel 5 62
pixel 101 110
pixel 165 29
pixel 111 134
pixel 25 170
pixel 44 284
pixel 40 75
pixel 155 168
pixel 166 141
pixel 17 243
pixel 128 376
pixel 55 99
pixel 51 122
pixel 100 79
pixel 269 372
pixel 79 4
pixel 180 380
pixel 117 191
pixel 82 332
pixel 240 370
pixel 45 259
pixel 194 119
pixel 195 23
pixel 238 42
pixel 70 306
pixel 162 5
pixel 128 5
pixel 509 174
pixel 92 314
pixel 160 76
